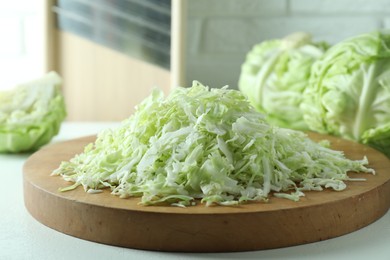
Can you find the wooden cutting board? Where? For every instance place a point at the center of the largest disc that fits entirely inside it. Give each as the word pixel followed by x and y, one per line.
pixel 107 219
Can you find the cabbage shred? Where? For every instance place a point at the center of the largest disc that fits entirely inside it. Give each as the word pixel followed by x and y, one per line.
pixel 207 144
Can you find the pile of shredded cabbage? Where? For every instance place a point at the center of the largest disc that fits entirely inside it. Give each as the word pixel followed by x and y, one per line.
pixel 207 144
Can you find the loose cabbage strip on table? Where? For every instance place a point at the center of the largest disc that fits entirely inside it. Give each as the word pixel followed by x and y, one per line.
pixel 207 144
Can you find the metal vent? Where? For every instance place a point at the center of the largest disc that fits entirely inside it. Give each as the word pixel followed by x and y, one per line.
pixel 138 28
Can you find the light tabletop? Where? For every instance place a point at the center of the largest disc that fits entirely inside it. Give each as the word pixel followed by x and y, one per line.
pixel 23 237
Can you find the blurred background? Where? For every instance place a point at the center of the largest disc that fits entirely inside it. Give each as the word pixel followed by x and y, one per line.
pixel 22 41
pixel 111 53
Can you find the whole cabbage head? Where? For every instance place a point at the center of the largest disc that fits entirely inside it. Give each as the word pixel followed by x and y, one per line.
pixel 349 92
pixel 274 75
pixel 31 114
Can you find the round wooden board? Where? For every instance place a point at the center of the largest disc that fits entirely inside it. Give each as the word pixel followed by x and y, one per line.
pixel 107 219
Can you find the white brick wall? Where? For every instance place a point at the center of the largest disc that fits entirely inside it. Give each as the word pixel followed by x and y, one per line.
pixel 228 8
pixel 221 32
pixel 331 7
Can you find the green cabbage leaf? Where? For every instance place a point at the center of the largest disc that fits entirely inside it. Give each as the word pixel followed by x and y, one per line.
pixel 31 114
pixel 205 144
pixel 275 74
pixel 349 91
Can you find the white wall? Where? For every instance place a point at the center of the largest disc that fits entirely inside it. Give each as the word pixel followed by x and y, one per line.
pixel 221 32
pixel 21 41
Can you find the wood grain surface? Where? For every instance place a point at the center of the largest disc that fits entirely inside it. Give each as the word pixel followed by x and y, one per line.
pixel 107 219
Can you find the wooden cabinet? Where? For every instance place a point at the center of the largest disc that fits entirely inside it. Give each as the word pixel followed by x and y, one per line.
pixel 103 83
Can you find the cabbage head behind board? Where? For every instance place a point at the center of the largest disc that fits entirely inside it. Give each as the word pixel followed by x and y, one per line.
pixel 349 91
pixel 275 74
pixel 31 114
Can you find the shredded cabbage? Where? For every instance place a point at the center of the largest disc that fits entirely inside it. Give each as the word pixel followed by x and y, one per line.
pixel 206 144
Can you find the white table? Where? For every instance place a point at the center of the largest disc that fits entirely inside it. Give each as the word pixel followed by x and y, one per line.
pixel 22 237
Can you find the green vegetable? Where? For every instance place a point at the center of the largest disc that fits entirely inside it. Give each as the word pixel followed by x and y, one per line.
pixel 275 74
pixel 31 114
pixel 349 92
pixel 208 144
